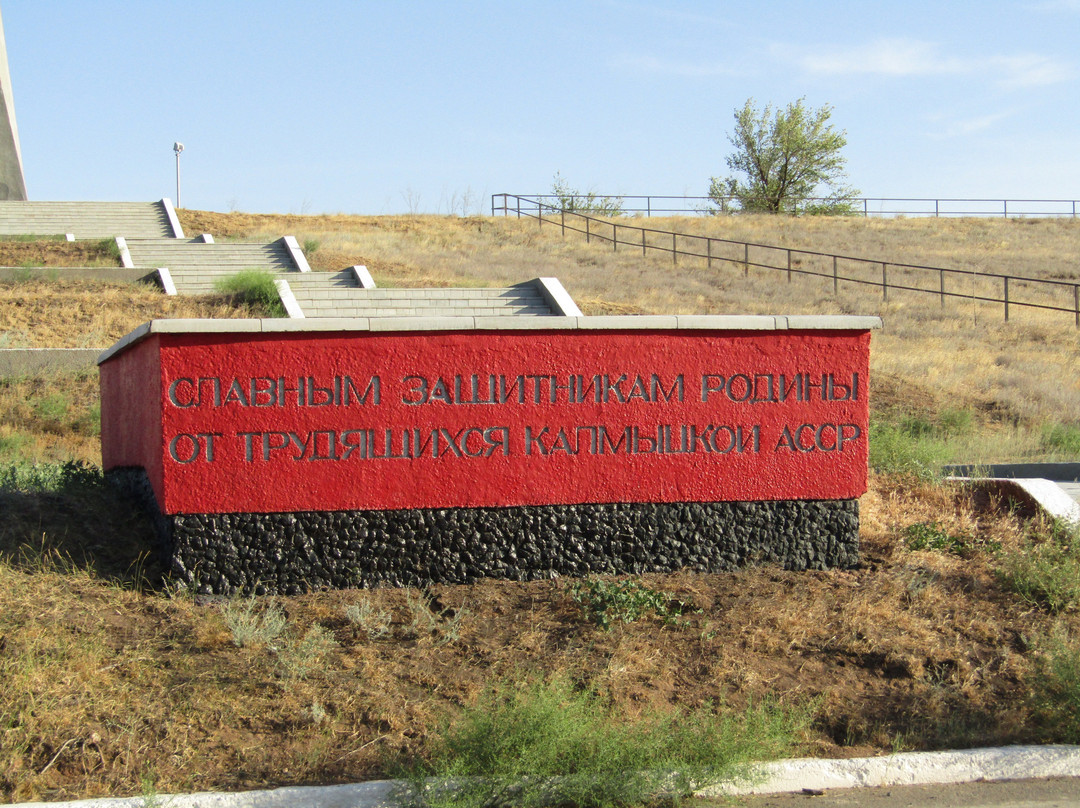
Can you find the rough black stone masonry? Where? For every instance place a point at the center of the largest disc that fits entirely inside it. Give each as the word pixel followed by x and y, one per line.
pixel 287 553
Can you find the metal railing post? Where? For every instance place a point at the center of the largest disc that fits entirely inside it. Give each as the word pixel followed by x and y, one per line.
pixel 643 241
pixel 941 272
pixel 746 260
pixel 1076 303
pixel 562 222
pixel 1006 285
pixel 674 250
pixel 588 235
pixel 835 280
pixel 789 265
pixel 648 207
pixel 518 198
pixel 884 281
pixel 614 237
pixel 708 251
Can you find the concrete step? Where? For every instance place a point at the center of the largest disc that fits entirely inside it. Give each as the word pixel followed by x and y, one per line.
pixel 321 294
pixel 87 220
pixel 338 310
pixel 183 255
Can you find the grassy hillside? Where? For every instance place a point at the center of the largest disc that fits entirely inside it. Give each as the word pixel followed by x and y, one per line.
pixel 961 627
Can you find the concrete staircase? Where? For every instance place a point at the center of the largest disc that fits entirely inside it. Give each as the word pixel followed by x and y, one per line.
pixel 195 265
pixel 350 293
pixel 90 220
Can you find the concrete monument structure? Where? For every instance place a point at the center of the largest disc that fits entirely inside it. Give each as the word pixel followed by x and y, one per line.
pixel 284 455
pixel 12 185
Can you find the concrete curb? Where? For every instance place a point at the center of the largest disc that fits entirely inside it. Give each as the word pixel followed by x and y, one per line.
pixel 909 768
pixel 912 769
pixel 1046 495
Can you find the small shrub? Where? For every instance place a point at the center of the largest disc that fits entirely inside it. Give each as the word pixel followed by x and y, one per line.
pixel 110 248
pixel 256 288
pixel 553 744
pixel 625 601
pixel 443 628
pixel 299 656
pixel 1046 572
pixel 311 245
pixel 250 625
pixel 952 423
pixel 71 476
pixel 1063 438
pixel 52 408
pixel 571 200
pixel 374 623
pixel 906 449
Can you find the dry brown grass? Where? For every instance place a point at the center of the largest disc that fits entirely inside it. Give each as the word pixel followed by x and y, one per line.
pixel 106 685
pixel 54 253
pixel 83 314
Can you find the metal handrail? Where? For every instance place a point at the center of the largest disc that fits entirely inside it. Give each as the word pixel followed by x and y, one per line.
pixel 607 230
pixel 658 205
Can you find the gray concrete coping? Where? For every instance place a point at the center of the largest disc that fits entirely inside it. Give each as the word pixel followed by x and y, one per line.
pixel 288 299
pixel 31 361
pixel 782 776
pixel 174 221
pixel 103 274
pixel 635 322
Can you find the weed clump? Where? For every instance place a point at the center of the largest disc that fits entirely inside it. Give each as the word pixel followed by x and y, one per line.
pixel 1056 694
pixel 549 743
pixel 250 625
pixel 1046 571
pixel 627 601
pixel 256 288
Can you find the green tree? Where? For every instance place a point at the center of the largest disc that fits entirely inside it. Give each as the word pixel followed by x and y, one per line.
pixel 571 200
pixel 783 157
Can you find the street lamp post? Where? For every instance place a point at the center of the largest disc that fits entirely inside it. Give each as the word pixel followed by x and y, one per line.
pixel 178 147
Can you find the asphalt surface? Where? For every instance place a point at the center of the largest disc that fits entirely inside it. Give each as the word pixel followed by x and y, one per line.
pixel 1050 793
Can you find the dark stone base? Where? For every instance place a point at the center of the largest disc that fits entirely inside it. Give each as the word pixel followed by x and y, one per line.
pixel 288 553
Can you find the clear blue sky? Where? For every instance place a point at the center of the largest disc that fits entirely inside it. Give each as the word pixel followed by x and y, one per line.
pixel 379 107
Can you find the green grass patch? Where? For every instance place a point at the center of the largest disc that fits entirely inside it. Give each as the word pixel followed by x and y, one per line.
pixel 549 743
pixel 1046 571
pixel 931 536
pixel 626 601
pixel 918 445
pixel 51 478
pixel 256 288
pixel 910 448
pixel 1056 692
pixel 1063 438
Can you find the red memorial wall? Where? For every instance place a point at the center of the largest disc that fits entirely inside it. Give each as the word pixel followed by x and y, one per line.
pixel 328 421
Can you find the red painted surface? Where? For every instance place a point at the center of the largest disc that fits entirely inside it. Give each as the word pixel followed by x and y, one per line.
pixel 269 436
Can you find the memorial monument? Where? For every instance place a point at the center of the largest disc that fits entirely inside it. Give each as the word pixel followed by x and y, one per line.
pixel 285 455
pixel 12 185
